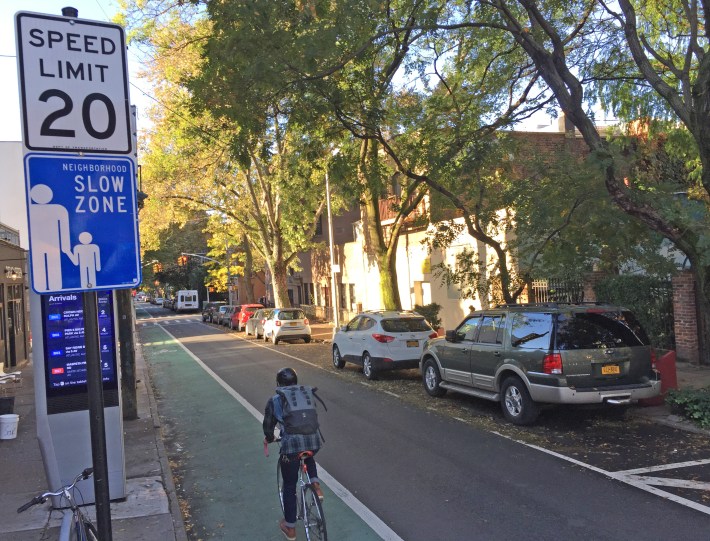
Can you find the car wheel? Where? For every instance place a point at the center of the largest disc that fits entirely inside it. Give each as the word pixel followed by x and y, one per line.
pixel 338 361
pixel 367 368
pixel 307 339
pixel 266 337
pixel 518 407
pixel 274 339
pixel 432 379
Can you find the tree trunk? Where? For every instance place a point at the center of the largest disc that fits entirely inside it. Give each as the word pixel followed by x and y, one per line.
pixel 279 281
pixel 374 236
pixel 248 271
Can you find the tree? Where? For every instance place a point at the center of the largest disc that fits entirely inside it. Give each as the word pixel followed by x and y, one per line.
pixel 306 62
pixel 648 64
pixel 264 184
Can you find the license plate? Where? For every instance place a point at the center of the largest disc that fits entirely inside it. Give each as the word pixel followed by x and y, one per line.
pixel 609 369
pixel 293 323
pixel 412 343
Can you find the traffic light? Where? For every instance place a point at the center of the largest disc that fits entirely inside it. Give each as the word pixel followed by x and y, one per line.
pixel 157 267
pixel 182 260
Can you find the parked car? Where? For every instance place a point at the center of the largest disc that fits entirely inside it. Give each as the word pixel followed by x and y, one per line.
pixel 255 323
pixel 218 316
pixel 209 309
pixel 141 297
pixel 227 317
pixel 158 301
pixel 287 324
pixel 239 319
pixel 381 340
pixel 526 355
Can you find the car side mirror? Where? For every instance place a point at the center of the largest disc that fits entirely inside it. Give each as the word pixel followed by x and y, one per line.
pixel 451 336
pixel 343 328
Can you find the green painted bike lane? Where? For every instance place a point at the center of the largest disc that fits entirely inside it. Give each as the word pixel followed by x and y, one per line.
pixel 214 444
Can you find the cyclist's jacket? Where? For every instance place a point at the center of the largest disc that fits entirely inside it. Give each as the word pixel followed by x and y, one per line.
pixel 293 409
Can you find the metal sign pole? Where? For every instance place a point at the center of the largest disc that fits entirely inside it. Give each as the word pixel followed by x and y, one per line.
pixel 94 383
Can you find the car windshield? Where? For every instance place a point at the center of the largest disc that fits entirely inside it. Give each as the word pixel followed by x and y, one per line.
pixel 406 325
pixel 590 330
pixel 286 315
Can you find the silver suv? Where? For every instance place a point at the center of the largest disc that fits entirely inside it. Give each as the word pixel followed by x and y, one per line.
pixel 529 354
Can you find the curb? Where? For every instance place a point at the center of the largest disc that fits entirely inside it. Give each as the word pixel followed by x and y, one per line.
pixel 178 523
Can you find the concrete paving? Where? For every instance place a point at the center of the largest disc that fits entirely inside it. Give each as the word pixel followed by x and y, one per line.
pixel 151 511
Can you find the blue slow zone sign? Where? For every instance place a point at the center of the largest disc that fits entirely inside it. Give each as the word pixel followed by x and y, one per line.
pixel 82 223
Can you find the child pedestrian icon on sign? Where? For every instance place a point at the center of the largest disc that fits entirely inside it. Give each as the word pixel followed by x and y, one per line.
pixel 88 257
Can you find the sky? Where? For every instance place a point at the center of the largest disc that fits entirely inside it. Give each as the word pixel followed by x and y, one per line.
pixel 98 10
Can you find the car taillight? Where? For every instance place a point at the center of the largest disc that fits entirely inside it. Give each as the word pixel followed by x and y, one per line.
pixel 552 363
pixel 434 335
pixel 277 323
pixel 384 338
pixel 305 321
pixel 654 359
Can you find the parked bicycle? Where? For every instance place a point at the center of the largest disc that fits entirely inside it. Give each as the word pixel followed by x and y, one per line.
pixel 75 525
pixel 309 507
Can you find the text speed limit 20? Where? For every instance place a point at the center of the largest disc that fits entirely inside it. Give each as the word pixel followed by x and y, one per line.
pixel 74 84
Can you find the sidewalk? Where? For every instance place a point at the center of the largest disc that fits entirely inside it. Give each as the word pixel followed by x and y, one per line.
pixel 689 376
pixel 149 513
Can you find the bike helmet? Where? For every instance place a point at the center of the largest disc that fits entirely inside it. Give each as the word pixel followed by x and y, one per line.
pixel 286 377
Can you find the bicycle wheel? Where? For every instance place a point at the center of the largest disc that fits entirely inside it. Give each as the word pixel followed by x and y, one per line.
pixel 91 533
pixel 280 484
pixel 313 517
pixel 85 530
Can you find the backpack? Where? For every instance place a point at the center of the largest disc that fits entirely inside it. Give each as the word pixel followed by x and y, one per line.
pixel 295 409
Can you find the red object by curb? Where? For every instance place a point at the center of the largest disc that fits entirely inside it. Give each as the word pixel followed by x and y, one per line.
pixel 669 379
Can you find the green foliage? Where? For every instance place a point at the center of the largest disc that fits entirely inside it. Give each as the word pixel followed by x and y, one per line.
pixel 430 313
pixel 693 404
pixel 649 298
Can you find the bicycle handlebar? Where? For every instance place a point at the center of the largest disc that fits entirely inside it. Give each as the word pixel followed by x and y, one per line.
pixel 33 501
pixel 41 498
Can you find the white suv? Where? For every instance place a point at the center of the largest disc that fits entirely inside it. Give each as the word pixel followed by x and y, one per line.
pixel 381 340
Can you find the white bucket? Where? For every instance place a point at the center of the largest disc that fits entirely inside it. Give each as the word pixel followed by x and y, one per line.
pixel 8 426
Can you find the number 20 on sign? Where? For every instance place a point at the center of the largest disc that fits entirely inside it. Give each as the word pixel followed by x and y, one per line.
pixel 73 84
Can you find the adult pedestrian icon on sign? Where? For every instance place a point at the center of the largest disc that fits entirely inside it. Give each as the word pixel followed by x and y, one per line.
pixel 49 242
pixel 88 257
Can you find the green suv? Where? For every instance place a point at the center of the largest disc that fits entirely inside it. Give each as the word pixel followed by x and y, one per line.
pixel 524 355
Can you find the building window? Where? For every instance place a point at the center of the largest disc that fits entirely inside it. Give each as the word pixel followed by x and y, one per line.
pixel 342 290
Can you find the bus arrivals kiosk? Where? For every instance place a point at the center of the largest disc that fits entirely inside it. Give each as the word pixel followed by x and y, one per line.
pixel 61 395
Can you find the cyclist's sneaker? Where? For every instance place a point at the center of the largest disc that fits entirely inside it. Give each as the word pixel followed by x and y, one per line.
pixel 317 490
pixel 289 532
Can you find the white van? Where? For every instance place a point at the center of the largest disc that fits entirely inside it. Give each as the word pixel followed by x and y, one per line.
pixel 186 301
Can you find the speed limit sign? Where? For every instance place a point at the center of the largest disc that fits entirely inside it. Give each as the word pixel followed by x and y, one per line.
pixel 73 84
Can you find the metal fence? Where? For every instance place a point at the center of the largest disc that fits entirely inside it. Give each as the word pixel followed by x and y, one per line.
pixel 557 290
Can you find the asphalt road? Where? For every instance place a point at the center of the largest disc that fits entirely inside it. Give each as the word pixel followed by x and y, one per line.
pixel 427 475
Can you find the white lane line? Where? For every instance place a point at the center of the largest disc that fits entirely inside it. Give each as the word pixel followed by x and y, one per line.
pixel 632 480
pixel 662 467
pixel 678 483
pixel 372 520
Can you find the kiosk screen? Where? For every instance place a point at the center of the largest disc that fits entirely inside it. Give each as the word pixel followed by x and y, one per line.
pixel 65 357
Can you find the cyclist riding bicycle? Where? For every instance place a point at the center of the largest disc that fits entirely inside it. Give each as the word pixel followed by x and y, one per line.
pixel 297 435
